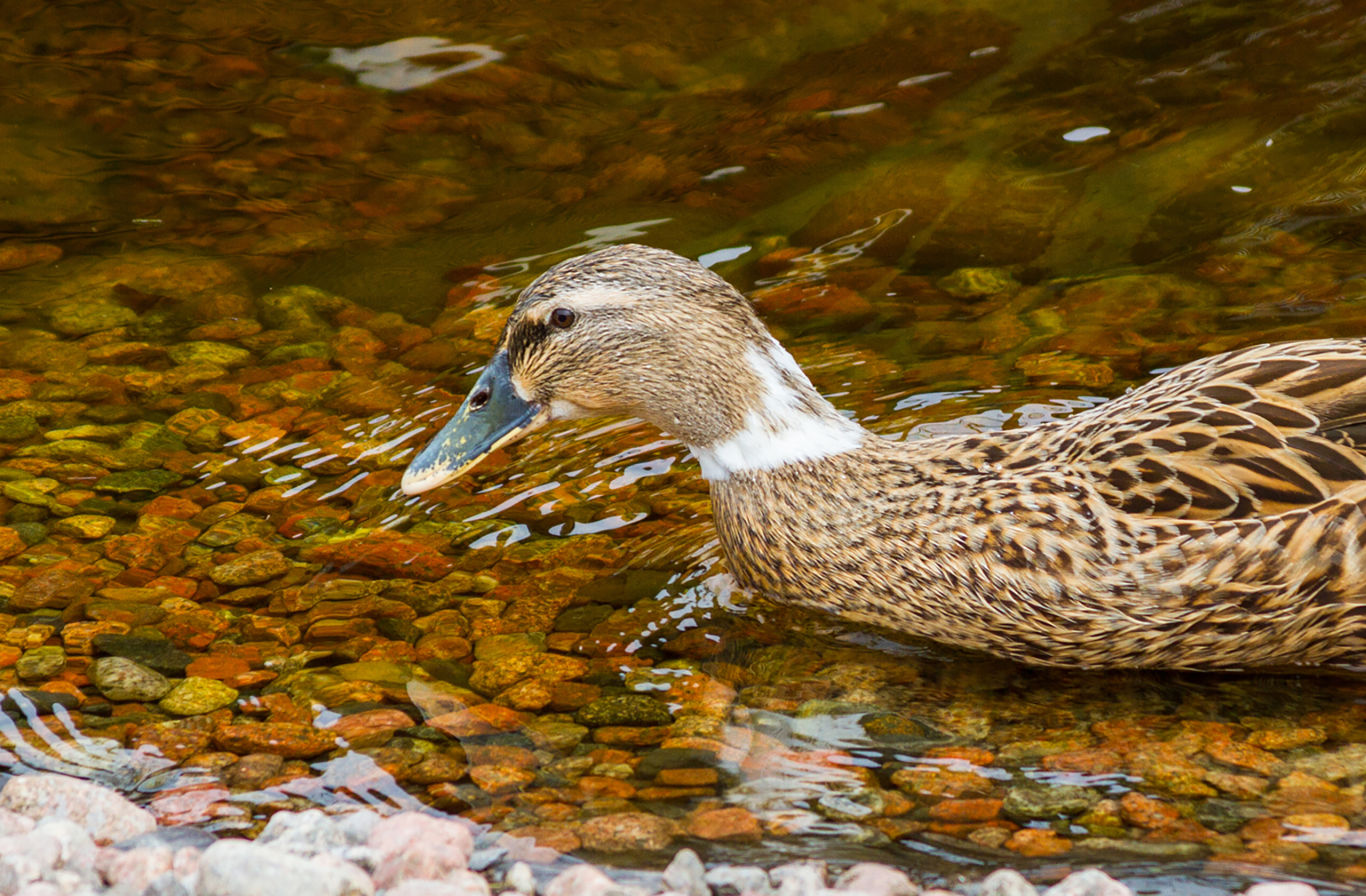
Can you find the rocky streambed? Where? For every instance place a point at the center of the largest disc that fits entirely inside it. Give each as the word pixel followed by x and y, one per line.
pixel 60 836
pixel 215 597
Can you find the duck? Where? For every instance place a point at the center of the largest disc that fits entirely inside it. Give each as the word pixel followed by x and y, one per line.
pixel 1213 518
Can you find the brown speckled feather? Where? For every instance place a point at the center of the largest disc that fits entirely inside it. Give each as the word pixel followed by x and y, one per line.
pixel 1214 517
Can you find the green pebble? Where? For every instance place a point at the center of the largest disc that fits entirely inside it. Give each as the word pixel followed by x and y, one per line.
pixel 17 427
pixel 624 709
pixel 81 317
pixel 1036 801
pixel 966 283
pixel 219 353
pixel 197 696
pixel 40 663
pixel 123 680
pixel 137 482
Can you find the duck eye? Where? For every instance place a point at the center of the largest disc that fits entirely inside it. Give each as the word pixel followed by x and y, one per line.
pixel 563 318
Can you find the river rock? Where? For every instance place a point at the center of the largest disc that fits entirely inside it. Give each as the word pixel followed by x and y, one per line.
pixel 1007 882
pixel 313 831
pixel 728 880
pixel 1046 801
pixel 627 832
pixel 1090 882
pixel 686 874
pixel 105 815
pixel 197 696
pixel 154 653
pixel 623 709
pixel 121 680
pixel 250 569
pixel 581 880
pixel 136 484
pixel 412 845
pixel 876 879
pixel 41 663
pixel 242 868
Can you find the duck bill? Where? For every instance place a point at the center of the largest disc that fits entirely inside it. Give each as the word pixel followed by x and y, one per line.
pixel 492 415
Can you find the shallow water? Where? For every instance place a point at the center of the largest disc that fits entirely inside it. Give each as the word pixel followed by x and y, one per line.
pixel 959 218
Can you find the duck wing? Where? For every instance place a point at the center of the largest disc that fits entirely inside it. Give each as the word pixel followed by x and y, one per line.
pixel 1243 434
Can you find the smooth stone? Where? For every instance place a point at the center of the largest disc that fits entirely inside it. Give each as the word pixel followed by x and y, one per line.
pixel 250 569
pixel 876 879
pixel 81 318
pixel 219 353
pixel 197 696
pixel 686 874
pixel 243 868
pixel 966 283
pixel 799 878
pixel 460 883
pixel 18 427
pixel 1007 882
pixel 1089 882
pixel 85 525
pixel 154 653
pixel 627 832
pixel 40 663
pixel 123 680
pixel 1281 888
pixel 173 838
pixel 106 816
pixel 581 880
pixel 624 709
pixel 136 483
pixel 520 879
pixel 412 845
pixel 166 884
pixel 1047 801
pixel 727 880
pixel 313 831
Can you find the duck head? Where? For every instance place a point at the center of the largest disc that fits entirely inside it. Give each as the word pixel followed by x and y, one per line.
pixel 636 331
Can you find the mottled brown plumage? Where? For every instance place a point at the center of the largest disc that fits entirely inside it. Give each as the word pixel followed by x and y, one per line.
pixel 1215 517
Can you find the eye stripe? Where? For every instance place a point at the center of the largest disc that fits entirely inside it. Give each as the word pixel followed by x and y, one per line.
pixel 525 338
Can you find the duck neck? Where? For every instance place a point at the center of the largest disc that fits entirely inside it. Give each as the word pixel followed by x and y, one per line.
pixel 784 421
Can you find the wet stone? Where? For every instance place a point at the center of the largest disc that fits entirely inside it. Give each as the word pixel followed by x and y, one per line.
pixel 17 427
pixel 1089 882
pixel 85 525
pixel 625 709
pixel 197 696
pixel 154 653
pixel 55 588
pixel 969 283
pixel 627 832
pixel 250 569
pixel 230 530
pixel 583 618
pixel 730 880
pixel 1006 882
pixel 218 353
pixel 121 679
pixel 877 880
pixel 243 868
pixel 137 484
pixel 105 815
pixel 80 318
pixel 41 663
pixel 686 875
pixel 1048 801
